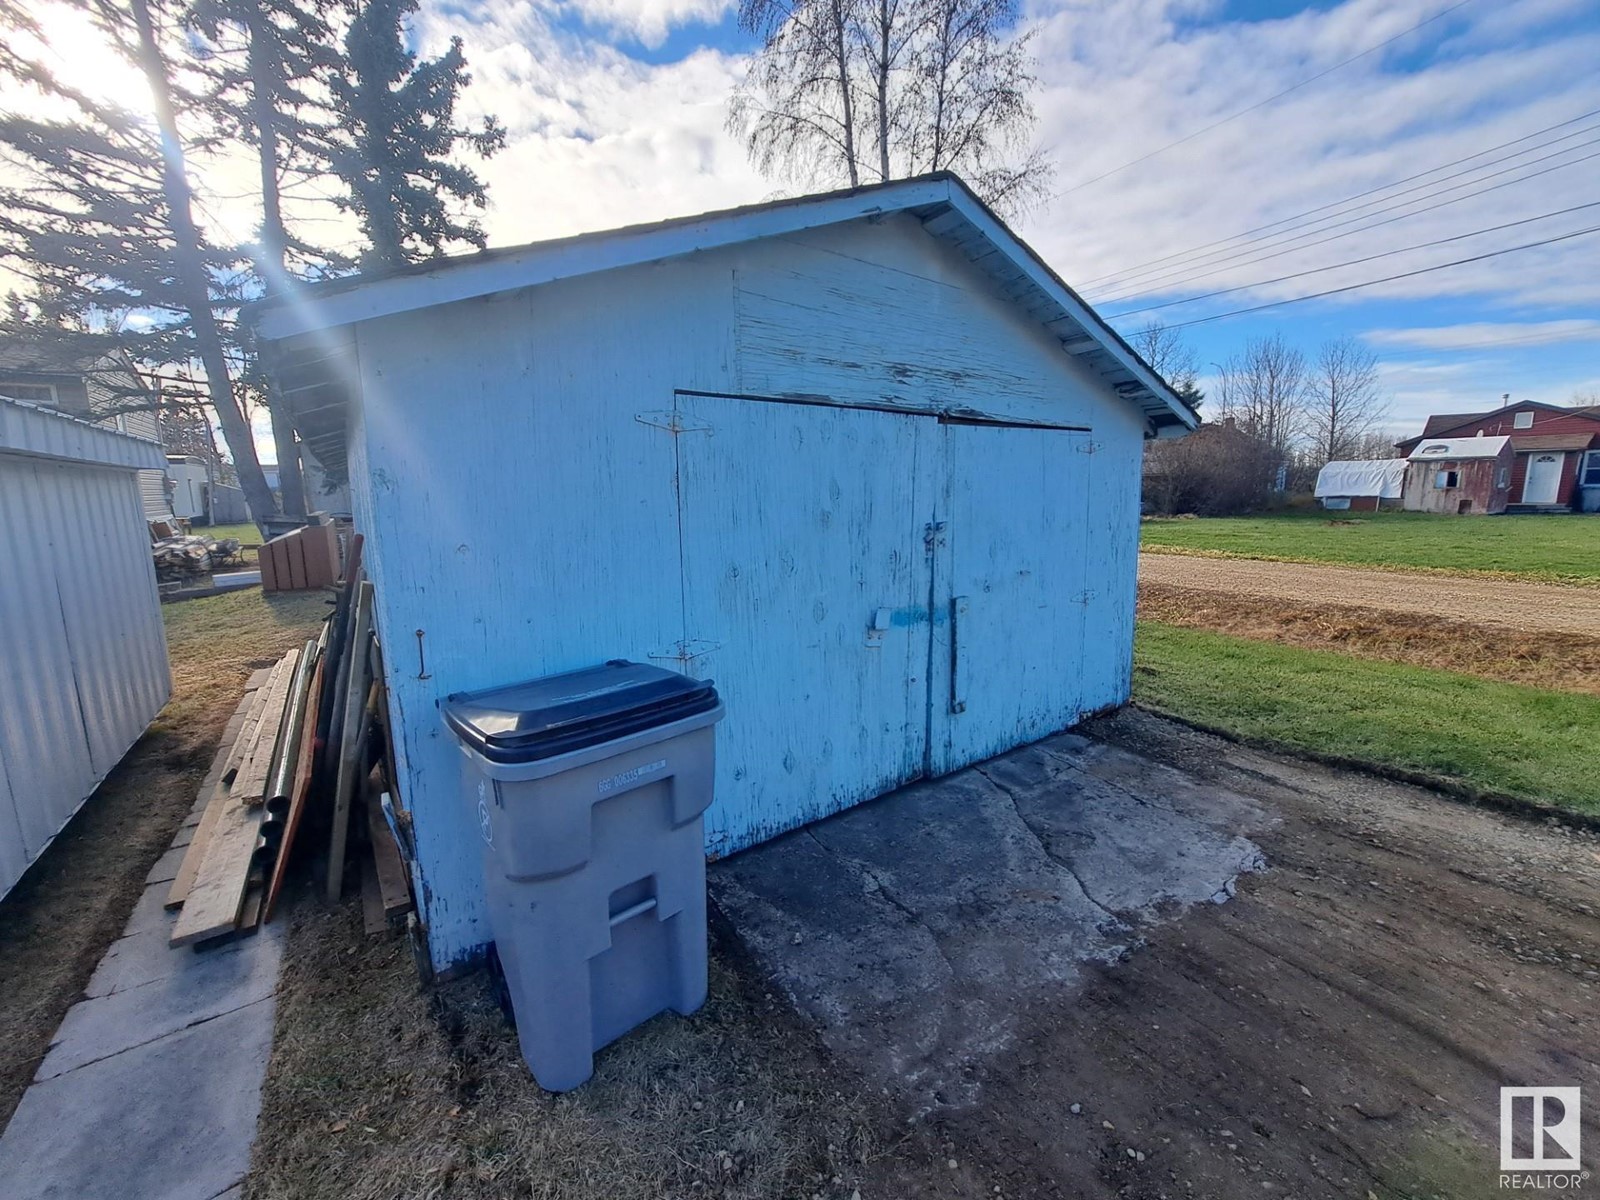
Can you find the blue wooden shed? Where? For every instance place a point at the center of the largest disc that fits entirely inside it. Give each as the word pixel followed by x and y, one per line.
pixel 862 458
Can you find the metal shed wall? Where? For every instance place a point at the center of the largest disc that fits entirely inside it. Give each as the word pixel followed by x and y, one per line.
pixel 515 460
pixel 81 636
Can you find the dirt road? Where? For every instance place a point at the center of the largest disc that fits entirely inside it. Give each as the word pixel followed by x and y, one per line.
pixel 1523 606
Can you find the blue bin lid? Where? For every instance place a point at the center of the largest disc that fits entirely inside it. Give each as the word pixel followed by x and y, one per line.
pixel 527 722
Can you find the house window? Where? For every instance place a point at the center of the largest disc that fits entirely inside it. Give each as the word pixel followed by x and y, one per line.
pixel 33 393
pixel 1523 420
pixel 1446 479
pixel 1590 476
pixel 1502 478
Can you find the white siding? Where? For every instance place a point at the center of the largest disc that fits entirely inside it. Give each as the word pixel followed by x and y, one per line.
pixel 81 640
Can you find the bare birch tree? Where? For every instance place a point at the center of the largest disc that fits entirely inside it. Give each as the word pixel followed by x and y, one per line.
pixel 1172 358
pixel 863 91
pixel 1343 400
pixel 1263 388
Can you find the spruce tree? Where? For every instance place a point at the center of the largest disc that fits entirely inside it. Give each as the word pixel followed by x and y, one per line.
pixel 268 63
pixel 97 213
pixel 397 144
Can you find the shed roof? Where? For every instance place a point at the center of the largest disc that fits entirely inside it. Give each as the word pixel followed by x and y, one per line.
pixel 947 208
pixel 44 433
pixel 1455 449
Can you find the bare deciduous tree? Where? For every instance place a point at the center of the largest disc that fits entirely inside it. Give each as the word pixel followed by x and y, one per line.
pixel 1263 388
pixel 1343 400
pixel 854 91
pixel 1172 358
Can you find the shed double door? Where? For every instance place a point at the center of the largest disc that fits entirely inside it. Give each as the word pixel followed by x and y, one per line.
pixel 879 596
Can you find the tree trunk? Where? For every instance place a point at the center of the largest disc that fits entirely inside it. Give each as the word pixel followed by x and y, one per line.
pixel 274 256
pixel 884 21
pixel 192 276
pixel 846 97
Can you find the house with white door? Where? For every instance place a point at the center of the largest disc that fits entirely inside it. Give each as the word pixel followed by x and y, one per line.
pixel 1555 464
pixel 861 458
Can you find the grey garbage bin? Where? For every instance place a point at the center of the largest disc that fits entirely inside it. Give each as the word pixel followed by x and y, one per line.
pixel 588 790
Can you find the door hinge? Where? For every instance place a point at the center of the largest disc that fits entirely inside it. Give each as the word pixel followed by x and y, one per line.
pixel 1090 448
pixel 1084 596
pixel 933 535
pixel 673 422
pixel 685 652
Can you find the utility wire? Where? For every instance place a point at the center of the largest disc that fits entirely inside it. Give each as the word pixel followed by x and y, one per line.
pixel 1354 287
pixel 1195 251
pixel 1263 103
pixel 1245 287
pixel 1298 243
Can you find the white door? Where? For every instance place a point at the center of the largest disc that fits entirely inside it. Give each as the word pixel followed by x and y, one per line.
pixel 1543 479
pixel 1010 590
pixel 806 598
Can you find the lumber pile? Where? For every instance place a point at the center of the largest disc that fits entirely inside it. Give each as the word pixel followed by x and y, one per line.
pixel 301 559
pixel 301 746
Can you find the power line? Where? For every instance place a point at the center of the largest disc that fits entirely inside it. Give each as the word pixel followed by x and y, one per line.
pixel 1244 287
pixel 1263 103
pixel 1138 268
pixel 1298 242
pixel 1354 287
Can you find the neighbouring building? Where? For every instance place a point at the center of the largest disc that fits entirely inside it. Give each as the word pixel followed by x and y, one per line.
pixel 1555 463
pixel 861 458
pixel 1462 476
pixel 94 386
pixel 81 635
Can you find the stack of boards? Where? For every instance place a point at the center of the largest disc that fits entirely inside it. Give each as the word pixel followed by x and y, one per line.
pixel 253 800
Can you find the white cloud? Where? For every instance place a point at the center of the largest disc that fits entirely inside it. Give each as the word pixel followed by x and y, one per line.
pixel 1483 335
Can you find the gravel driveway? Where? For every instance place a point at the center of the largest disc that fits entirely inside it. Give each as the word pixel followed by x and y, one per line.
pixel 1524 606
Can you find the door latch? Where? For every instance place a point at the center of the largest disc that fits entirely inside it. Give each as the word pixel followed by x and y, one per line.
pixel 882 618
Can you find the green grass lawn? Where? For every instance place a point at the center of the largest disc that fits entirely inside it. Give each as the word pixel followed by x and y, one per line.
pixel 247 533
pixel 1549 548
pixel 1500 737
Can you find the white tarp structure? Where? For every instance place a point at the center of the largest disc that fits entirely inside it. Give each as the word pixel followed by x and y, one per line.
pixel 1380 477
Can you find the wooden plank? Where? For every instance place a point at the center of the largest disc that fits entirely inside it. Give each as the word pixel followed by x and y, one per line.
pixel 245 741
pixel 297 561
pixel 212 790
pixel 192 858
pixel 269 568
pixel 353 738
pixel 250 784
pixel 373 917
pixel 390 869
pixel 302 791
pixel 214 902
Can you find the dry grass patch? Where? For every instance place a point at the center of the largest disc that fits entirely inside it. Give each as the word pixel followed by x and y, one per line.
pixel 379 1089
pixel 1560 661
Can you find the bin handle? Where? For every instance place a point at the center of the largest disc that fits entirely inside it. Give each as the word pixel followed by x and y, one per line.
pixel 632 911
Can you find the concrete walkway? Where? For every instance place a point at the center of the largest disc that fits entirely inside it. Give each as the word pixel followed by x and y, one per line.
pixel 152 1085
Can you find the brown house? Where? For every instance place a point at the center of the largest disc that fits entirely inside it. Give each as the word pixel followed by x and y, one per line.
pixel 1556 451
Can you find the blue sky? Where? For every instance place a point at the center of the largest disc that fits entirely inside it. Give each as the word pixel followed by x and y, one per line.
pixel 616 110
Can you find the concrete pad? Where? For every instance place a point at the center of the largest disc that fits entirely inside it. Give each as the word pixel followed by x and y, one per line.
pixel 184 836
pixel 917 928
pixel 170 1120
pixel 146 956
pixel 150 912
pixel 195 987
pixel 166 868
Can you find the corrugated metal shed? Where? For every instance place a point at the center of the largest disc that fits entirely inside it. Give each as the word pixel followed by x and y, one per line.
pixel 81 636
